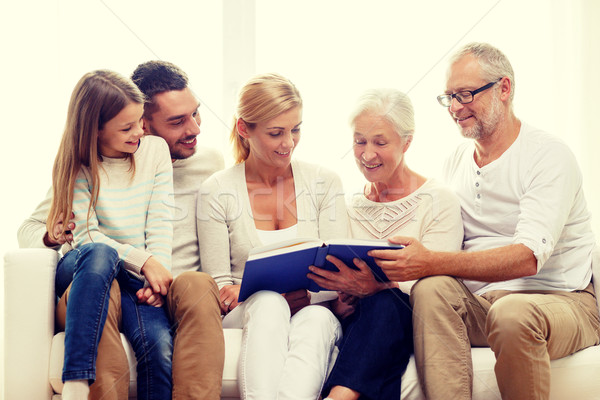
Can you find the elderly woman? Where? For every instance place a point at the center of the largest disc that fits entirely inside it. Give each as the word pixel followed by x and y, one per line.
pixel 376 316
pixel 265 198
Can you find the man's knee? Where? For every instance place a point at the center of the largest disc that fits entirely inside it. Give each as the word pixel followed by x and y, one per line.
pixel 432 287
pixel 194 282
pixel 514 317
pixel 193 290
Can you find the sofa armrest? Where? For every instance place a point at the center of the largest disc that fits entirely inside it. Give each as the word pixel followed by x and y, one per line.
pixel 596 273
pixel 29 322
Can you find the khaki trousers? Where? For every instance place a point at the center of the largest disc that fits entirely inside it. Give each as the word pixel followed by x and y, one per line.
pixel 198 347
pixel 525 330
pixel 112 370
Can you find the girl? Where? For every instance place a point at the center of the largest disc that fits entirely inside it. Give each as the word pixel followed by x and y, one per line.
pixel 115 184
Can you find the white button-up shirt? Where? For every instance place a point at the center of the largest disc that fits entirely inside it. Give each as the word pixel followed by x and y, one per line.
pixel 532 195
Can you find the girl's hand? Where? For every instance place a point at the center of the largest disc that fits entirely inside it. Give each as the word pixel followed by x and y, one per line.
pixel 229 298
pixel 157 276
pixel 55 236
pixel 146 295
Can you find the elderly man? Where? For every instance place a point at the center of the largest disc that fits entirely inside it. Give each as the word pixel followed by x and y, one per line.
pixel 523 284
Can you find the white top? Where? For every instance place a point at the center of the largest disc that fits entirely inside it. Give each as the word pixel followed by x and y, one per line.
pixel 532 195
pixel 431 214
pixel 269 237
pixel 226 228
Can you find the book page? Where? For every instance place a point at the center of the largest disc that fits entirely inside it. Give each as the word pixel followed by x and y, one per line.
pixel 284 247
pixel 365 242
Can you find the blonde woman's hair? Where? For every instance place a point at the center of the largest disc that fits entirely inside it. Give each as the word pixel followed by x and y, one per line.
pixel 96 99
pixel 262 98
pixel 391 105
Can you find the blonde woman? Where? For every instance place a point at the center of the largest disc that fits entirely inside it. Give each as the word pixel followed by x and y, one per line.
pixel 115 184
pixel 268 197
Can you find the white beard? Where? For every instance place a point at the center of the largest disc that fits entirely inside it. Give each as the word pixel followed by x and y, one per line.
pixel 485 124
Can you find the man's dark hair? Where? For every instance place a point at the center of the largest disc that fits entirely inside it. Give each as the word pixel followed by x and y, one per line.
pixel 154 77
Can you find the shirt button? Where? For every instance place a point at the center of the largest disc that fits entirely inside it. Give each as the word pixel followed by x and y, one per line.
pixel 476 184
pixel 478 196
pixel 544 241
pixel 478 172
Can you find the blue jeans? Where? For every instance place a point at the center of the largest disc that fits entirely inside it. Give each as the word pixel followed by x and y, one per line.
pixel 376 347
pixel 148 329
pixel 91 268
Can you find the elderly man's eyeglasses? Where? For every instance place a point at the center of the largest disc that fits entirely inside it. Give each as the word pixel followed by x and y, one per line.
pixel 463 97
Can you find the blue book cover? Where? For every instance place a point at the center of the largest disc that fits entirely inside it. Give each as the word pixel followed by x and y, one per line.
pixel 282 267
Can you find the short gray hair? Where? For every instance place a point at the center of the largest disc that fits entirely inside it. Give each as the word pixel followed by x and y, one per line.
pixel 493 62
pixel 390 104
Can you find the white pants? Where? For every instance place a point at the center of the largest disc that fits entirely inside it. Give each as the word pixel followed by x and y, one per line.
pixel 283 357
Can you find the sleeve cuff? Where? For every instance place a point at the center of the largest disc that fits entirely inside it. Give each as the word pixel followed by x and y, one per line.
pixel 135 260
pixel 542 247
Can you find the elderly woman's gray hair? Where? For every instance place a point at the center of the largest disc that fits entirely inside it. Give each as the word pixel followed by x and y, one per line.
pixel 391 105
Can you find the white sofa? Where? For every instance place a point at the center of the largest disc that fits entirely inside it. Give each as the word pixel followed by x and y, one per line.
pixel 34 354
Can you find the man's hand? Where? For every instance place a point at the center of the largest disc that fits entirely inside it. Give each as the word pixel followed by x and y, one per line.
pixel 159 280
pixel 147 295
pixel 229 298
pixel 297 300
pixel 56 236
pixel 411 262
pixel 359 283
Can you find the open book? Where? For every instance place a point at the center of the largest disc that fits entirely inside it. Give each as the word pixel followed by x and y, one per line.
pixel 283 266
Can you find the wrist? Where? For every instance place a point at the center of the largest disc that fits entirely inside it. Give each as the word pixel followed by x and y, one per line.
pixel 47 241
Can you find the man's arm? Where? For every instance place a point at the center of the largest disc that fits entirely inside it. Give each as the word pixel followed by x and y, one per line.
pixel 414 261
pixel 33 231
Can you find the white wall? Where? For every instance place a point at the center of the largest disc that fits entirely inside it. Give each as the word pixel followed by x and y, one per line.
pixel 332 50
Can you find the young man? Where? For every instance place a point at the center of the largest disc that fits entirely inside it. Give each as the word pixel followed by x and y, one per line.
pixel 523 284
pixel 192 300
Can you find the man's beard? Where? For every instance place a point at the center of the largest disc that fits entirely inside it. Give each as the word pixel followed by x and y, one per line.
pixel 175 154
pixel 486 124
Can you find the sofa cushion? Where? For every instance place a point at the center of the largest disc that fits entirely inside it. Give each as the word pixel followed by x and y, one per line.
pixel 574 377
pixel 233 341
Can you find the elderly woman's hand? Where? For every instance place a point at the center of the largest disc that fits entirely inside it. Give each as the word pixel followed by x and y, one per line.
pixel 359 283
pixel 344 305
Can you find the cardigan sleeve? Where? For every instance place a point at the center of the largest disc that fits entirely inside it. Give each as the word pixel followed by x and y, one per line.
pixel 213 232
